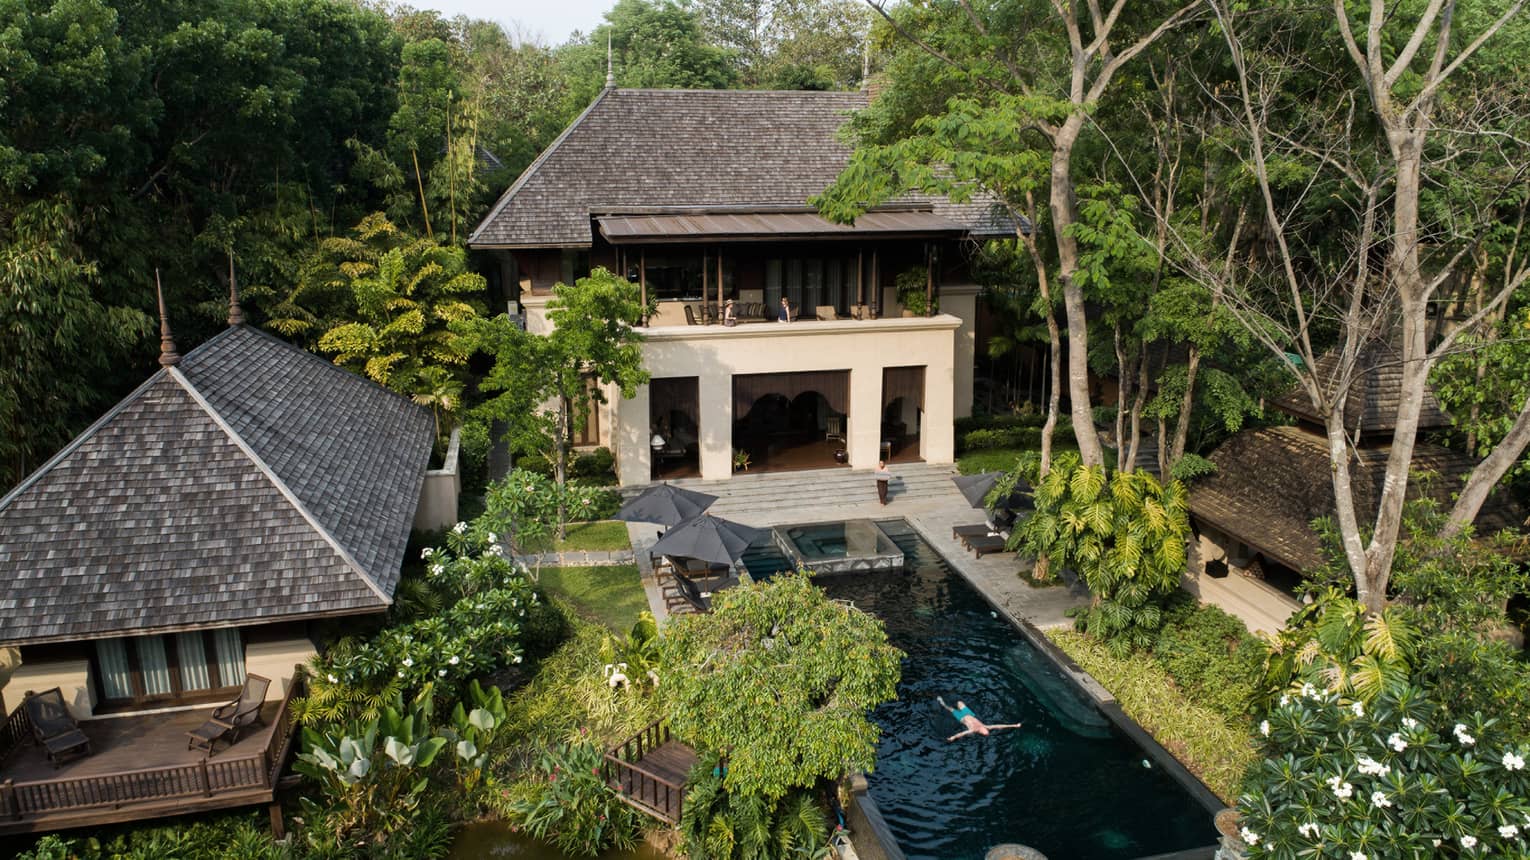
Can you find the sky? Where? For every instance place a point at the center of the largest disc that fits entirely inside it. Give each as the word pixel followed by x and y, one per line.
pixel 552 20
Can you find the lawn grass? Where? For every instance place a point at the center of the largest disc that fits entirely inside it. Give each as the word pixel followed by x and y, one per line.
pixel 1216 750
pixel 599 536
pixel 611 595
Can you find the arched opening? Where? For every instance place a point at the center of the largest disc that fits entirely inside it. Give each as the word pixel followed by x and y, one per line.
pixel 785 421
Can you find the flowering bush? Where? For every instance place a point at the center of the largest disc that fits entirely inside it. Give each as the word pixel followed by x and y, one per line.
pixel 525 505
pixel 487 598
pixel 1393 778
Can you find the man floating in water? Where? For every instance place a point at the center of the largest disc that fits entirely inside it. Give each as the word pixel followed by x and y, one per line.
pixel 971 725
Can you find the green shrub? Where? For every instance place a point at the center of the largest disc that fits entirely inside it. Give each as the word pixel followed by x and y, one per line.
pixel 244 835
pixel 1211 656
pixel 567 802
pixel 717 824
pixel 598 466
pixel 545 628
pixel 1192 466
pixel 993 422
pixel 473 457
pixel 1020 436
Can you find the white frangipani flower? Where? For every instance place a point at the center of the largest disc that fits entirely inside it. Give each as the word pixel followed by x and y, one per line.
pixel 460 528
pixel 1513 762
pixel 1380 800
pixel 1249 837
pixel 1409 723
pixel 1468 841
pixel 1309 830
pixel 1264 727
pixel 1396 742
pixel 1358 708
pixel 1508 831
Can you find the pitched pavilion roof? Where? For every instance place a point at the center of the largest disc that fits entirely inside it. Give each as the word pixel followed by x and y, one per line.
pixel 254 482
pixel 1271 483
pixel 1373 395
pixel 649 150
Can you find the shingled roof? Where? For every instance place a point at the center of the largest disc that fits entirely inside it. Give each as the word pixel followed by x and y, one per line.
pixel 254 482
pixel 1271 483
pixel 659 149
pixel 1373 395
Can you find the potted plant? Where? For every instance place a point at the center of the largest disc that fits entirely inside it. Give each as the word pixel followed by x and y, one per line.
pixel 740 460
pixel 911 285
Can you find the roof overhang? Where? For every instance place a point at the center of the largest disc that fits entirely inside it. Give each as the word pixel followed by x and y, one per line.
pixel 763 226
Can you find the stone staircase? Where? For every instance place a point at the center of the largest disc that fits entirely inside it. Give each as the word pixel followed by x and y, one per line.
pixel 775 497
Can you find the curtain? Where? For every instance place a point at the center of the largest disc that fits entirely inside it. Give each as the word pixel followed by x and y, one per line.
pixel 152 665
pixel 116 674
pixel 834 385
pixel 193 660
pixel 230 656
pixel 905 382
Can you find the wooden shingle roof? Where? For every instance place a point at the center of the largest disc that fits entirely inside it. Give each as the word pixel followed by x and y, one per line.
pixel 661 149
pixel 1271 483
pixel 254 482
pixel 1373 395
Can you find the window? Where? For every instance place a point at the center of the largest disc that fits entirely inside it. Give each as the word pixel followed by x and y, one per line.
pixel 673 277
pixel 811 282
pixel 151 668
pixel 573 264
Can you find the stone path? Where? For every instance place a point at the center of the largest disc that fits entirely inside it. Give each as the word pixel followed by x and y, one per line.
pixel 921 493
pixel 579 558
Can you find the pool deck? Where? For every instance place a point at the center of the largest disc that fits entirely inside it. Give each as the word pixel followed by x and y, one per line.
pixel 921 494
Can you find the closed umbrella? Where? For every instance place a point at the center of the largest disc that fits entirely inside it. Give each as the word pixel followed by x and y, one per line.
pixel 707 538
pixel 976 487
pixel 665 504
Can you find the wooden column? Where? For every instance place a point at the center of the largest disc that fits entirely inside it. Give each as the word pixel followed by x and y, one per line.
pixel 876 287
pixel 929 281
pixel 860 277
pixel 706 294
pixel 719 285
pixel 643 276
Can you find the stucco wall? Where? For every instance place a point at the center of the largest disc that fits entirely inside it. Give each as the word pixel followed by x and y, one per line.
pixel 960 301
pixel 714 354
pixel 72 677
pixel 439 493
pixel 275 659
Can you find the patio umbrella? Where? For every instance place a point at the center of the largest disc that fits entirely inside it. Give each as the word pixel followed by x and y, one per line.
pixel 664 504
pixel 707 538
pixel 977 487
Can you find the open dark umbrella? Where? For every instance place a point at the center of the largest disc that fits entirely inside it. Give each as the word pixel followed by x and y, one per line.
pixel 977 487
pixel 665 504
pixel 708 538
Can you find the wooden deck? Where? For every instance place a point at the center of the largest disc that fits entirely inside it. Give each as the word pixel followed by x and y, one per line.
pixel 649 770
pixel 140 768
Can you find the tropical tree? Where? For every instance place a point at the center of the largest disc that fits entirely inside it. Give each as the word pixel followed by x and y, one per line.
pixel 653 43
pixel 781 648
pixel 594 342
pixel 1123 532
pixel 409 297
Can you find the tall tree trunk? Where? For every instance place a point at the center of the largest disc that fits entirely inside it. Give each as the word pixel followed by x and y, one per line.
pixel 1489 472
pixel 1144 373
pixel 1063 207
pixel 1054 335
pixel 1123 390
pixel 560 469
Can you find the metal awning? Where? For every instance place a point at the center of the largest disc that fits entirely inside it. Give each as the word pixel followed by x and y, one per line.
pixel 761 226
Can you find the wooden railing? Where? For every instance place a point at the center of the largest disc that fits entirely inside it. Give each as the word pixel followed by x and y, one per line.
pixel 648 792
pixel 207 777
pixel 16 730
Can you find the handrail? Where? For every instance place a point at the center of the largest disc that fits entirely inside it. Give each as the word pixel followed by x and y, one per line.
pixel 284 727
pixel 15 731
pixel 622 770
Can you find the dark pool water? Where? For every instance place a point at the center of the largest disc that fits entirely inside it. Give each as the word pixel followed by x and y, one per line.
pixel 1068 783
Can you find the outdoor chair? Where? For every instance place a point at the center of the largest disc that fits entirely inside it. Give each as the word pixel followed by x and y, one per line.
pixel 690 315
pixel 982 545
pixel 961 533
pixel 53 727
pixel 827 312
pixel 229 721
pixel 692 593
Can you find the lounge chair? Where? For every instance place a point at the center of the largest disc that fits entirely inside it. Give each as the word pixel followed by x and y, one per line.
pixel 982 545
pixel 229 721
pixel 961 533
pixel 689 593
pixel 53 727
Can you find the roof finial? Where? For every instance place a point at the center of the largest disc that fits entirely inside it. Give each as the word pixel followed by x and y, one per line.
pixel 235 313
pixel 168 357
pixel 610 69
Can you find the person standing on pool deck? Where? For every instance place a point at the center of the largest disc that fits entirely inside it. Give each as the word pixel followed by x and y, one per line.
pixel 971 725
pixel 883 476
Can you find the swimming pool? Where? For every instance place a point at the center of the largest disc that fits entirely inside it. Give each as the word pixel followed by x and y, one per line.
pixel 1069 783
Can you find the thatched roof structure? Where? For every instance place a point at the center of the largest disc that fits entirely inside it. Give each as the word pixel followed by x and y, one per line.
pixel 1373 394
pixel 1273 482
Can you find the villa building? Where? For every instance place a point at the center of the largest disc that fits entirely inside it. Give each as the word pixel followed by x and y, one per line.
pixel 700 197
pixel 191 537
pixel 1253 517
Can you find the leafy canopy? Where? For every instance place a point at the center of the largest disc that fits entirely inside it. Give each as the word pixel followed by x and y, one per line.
pixel 779 678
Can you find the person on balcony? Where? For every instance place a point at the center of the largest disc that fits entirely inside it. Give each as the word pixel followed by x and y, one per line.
pixel 785 312
pixel 730 317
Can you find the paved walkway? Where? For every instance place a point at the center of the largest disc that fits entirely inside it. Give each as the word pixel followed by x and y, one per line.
pixel 922 494
pixel 579 558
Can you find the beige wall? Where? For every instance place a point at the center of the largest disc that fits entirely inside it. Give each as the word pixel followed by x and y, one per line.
pixel 72 677
pixel 275 659
pixel 439 493
pixel 865 348
pixel 960 301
